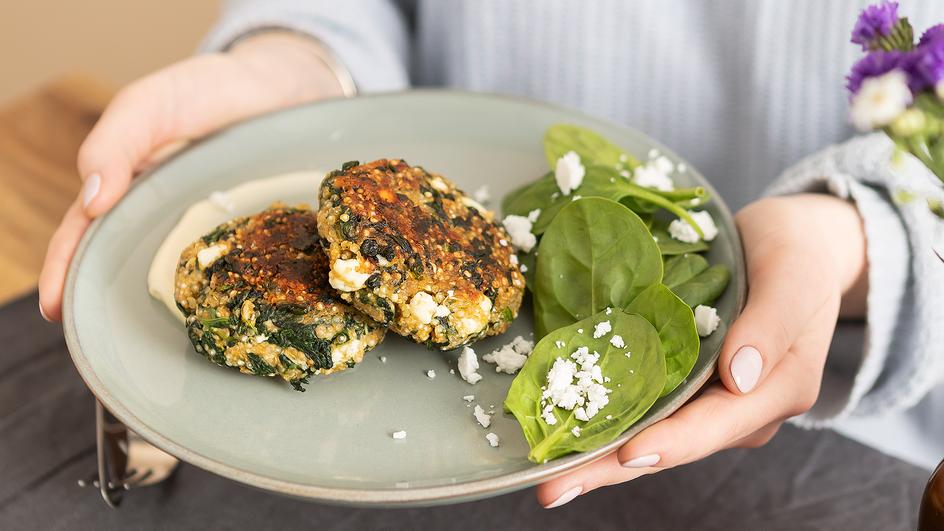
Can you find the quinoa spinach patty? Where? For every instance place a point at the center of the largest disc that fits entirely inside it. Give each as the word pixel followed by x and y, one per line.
pixel 256 298
pixel 410 250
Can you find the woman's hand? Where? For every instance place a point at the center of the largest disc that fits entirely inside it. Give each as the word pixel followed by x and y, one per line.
pixel 157 114
pixel 805 256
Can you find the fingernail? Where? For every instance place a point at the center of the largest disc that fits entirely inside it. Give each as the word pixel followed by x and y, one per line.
pixel 90 189
pixel 746 367
pixel 642 461
pixel 42 312
pixel 565 497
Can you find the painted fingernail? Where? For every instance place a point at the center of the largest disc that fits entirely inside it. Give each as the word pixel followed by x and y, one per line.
pixel 746 367
pixel 42 312
pixel 90 189
pixel 567 496
pixel 643 461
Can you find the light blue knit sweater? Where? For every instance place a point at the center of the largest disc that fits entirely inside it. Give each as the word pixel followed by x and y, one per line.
pixel 742 88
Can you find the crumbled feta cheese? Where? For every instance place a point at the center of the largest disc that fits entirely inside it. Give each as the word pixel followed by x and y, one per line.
pixel 609 417
pixel 452 371
pixel 207 256
pixel 617 341
pixel 383 359
pixel 492 439
pixel 524 268
pixel 609 310
pixel 601 329
pixel 576 385
pixel 439 184
pixel 482 417
pixel 559 344
pixel 471 325
pixel 222 201
pixel 398 435
pixel 423 307
pixel 469 366
pixel 580 330
pixel 683 232
pixel 482 194
pixel 511 357
pixel 576 431
pixel 344 275
pixel 519 229
pixel 513 258
pixel 431 374
pixel 706 320
pixel 468 398
pixel 569 172
pixel 534 215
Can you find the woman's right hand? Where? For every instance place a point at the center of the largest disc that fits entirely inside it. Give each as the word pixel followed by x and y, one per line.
pixel 159 113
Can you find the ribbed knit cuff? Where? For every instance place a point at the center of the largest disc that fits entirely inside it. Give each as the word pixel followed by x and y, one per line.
pixel 368 37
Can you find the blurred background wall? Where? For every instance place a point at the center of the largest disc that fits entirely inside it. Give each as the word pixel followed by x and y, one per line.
pixel 114 41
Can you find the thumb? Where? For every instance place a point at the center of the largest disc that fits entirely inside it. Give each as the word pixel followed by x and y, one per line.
pixel 785 294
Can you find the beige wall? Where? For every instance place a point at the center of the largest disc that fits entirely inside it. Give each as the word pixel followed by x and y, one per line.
pixel 113 40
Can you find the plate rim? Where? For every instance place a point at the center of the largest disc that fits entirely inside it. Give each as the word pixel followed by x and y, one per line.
pixel 411 496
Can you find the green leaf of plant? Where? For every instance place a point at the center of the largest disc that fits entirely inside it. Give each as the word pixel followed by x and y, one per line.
pixel 704 287
pixel 562 138
pixel 682 268
pixel 596 253
pixel 636 381
pixel 675 324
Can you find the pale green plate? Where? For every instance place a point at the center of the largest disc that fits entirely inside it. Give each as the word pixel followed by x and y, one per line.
pixel 332 443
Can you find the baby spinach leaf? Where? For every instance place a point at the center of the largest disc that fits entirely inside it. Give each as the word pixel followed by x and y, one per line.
pixel 537 194
pixel 636 380
pixel 596 253
pixel 704 287
pixel 682 268
pixel 562 138
pixel 675 323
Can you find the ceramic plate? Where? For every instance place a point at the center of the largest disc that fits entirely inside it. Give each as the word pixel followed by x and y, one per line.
pixel 332 443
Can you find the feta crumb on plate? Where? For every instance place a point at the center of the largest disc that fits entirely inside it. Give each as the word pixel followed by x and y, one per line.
pixel 482 417
pixel 431 374
pixel 468 398
pixel 706 320
pixel 469 366
pixel 511 357
pixel 683 232
pixel 569 172
pixel 492 439
pixel 398 435
pixel 519 229
pixel 482 194
pixel 601 329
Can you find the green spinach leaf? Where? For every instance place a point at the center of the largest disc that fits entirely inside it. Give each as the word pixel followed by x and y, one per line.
pixel 636 380
pixel 675 323
pixel 592 147
pixel 681 268
pixel 704 287
pixel 596 253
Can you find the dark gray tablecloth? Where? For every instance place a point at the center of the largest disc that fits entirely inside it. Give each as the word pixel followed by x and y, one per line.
pixel 801 480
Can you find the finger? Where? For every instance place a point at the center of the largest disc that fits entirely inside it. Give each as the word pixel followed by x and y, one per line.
pixel 785 294
pixel 606 471
pixel 717 420
pixel 759 438
pixel 62 246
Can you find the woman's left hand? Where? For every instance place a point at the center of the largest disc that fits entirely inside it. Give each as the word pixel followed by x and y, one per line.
pixel 805 255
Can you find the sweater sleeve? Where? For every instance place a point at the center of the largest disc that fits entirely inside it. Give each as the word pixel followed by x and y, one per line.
pixel 369 37
pixel 902 355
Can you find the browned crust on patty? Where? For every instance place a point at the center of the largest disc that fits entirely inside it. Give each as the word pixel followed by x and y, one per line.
pixel 411 231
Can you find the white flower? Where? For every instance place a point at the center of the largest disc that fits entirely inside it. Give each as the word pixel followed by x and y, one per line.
pixel 569 172
pixel 880 100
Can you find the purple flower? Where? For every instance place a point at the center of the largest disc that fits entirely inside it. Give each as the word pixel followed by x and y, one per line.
pixel 933 34
pixel 928 65
pixel 875 64
pixel 874 22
